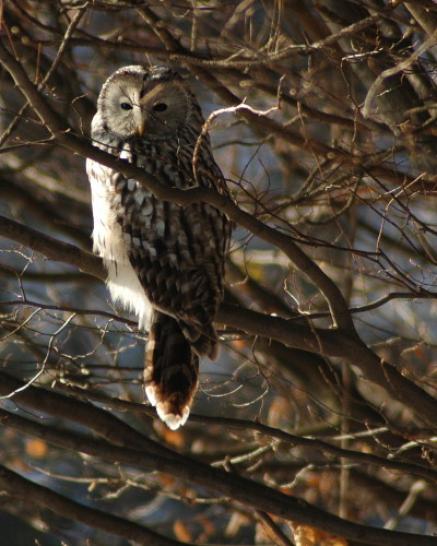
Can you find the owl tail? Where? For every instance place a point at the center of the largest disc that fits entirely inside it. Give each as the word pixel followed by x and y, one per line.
pixel 171 371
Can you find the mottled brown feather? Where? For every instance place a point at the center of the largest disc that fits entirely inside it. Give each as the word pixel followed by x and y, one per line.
pixel 177 253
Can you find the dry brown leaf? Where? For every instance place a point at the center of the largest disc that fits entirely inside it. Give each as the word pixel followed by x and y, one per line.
pixel 174 438
pixel 36 448
pixel 305 535
pixel 181 531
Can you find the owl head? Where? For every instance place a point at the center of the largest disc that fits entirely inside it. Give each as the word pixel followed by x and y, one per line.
pixel 153 103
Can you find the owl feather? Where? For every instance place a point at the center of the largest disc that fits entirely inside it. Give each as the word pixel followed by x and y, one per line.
pixel 165 262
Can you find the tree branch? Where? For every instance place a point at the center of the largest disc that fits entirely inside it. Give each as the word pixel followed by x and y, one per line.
pixel 236 487
pixel 52 248
pixel 17 487
pixel 325 342
pixel 102 423
pixel 59 129
pixel 118 432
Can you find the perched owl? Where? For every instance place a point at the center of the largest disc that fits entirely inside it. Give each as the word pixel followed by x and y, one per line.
pixel 165 262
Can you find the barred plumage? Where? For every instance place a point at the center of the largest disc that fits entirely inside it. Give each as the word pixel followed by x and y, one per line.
pixel 165 262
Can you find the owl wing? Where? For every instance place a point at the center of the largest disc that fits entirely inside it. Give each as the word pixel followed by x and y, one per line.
pixel 178 256
pixel 177 252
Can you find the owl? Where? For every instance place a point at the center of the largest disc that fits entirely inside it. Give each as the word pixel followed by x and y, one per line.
pixel 165 262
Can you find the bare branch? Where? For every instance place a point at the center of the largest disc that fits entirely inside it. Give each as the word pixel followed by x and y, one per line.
pixel 325 342
pixel 241 489
pixel 19 488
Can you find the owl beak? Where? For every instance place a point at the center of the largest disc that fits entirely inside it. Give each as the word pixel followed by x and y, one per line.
pixel 140 128
pixel 139 120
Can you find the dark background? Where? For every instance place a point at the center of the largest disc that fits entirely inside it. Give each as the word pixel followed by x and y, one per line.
pixel 334 153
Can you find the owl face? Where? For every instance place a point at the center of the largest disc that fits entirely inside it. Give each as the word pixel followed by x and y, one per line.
pixel 151 103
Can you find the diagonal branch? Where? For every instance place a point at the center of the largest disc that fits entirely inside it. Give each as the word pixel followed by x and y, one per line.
pixel 60 130
pixel 117 432
pixel 233 486
pixel 102 423
pixel 52 248
pixel 431 41
pixel 331 343
pixel 352 348
pixel 17 487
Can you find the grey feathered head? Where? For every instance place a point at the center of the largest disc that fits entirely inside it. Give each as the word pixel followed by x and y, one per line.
pixel 153 102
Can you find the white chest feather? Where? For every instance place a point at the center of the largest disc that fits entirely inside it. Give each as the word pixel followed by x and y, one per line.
pixel 108 242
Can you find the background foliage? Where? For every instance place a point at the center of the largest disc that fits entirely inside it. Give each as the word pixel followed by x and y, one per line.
pixel 322 115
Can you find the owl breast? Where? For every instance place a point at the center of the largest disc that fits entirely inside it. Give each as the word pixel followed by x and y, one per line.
pixel 158 253
pixel 109 243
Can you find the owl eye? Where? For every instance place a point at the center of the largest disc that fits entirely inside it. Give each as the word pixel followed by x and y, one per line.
pixel 126 106
pixel 160 107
